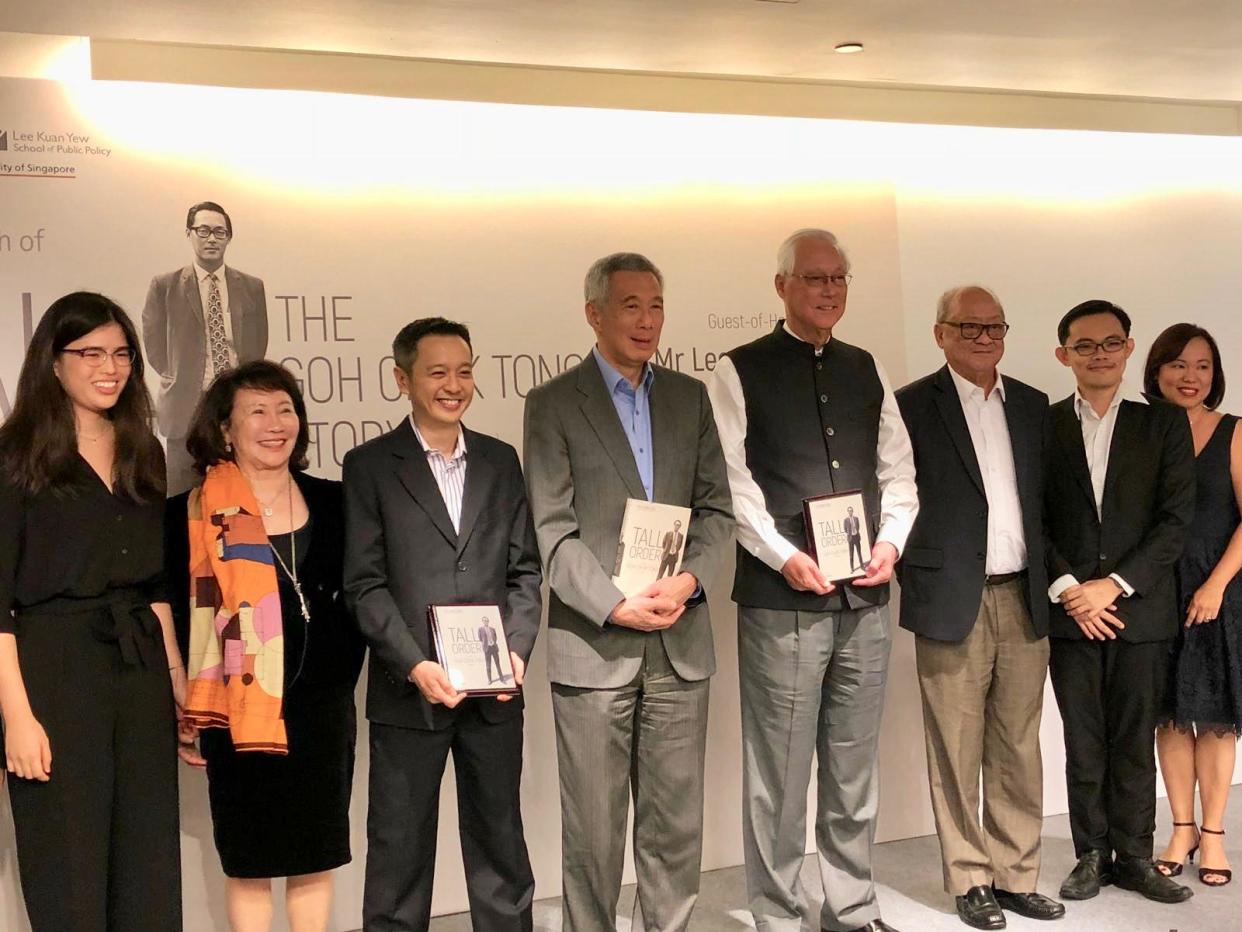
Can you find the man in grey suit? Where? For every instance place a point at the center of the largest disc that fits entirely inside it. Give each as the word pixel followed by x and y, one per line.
pixel 197 322
pixel 629 675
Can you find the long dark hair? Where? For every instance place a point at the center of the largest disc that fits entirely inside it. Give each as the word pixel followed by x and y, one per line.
pixel 1168 346
pixel 38 442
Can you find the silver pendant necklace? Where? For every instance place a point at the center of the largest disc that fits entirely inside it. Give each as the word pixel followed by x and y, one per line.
pixel 293 556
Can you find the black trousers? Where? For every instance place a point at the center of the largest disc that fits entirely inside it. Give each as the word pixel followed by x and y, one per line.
pixel 407 765
pixel 1110 693
pixel 98 846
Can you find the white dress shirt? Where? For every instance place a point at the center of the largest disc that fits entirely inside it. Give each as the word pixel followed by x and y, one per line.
pixel 204 289
pixel 756 531
pixel 450 473
pixel 989 434
pixel 1097 440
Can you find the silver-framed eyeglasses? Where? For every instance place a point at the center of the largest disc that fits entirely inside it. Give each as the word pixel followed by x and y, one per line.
pixel 971 330
pixel 1091 347
pixel 841 279
pixel 94 356
pixel 204 231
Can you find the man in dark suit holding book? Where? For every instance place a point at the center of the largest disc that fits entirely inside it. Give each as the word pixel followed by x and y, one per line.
pixel 1120 495
pixel 629 674
pixel 436 514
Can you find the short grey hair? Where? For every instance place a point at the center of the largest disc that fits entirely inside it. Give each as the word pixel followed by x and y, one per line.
pixel 785 254
pixel 599 275
pixel 948 301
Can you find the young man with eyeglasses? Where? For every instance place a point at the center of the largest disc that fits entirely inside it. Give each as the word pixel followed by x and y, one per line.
pixel 1119 497
pixel 801 413
pixel 974 593
pixel 197 322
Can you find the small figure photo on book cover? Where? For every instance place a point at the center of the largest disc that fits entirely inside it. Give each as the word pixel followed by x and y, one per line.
pixel 651 544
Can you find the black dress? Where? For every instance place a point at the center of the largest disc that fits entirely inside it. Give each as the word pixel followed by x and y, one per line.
pixel 285 815
pixel 1205 684
pixel 98 845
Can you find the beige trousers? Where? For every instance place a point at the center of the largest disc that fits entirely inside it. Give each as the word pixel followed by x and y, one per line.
pixel 982 701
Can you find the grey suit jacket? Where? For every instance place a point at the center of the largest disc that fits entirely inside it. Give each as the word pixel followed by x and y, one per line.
pixel 174 338
pixel 579 472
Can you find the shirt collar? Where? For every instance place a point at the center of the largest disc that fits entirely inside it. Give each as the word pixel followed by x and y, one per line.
pixel 201 273
pixel 613 378
pixel 818 349
pixel 1124 393
pixel 458 451
pixel 967 389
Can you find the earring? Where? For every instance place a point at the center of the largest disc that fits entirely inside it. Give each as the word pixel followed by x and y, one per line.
pixel 228 447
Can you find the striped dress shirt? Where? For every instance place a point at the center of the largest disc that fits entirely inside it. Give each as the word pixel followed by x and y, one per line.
pixel 450 473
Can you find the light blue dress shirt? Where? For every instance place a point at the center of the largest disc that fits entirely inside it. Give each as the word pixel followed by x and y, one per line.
pixel 634 409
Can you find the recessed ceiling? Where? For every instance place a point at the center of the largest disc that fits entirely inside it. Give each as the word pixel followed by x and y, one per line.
pixel 1176 49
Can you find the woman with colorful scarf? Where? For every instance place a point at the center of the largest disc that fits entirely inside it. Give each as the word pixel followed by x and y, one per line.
pixel 254 564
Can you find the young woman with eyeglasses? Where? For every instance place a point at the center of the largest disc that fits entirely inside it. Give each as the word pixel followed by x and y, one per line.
pixel 90 672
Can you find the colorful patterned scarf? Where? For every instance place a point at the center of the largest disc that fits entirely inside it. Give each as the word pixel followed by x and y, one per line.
pixel 237 645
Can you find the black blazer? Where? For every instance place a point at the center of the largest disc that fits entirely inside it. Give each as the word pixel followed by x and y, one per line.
pixel 402 555
pixel 1148 505
pixel 334 654
pixel 941 571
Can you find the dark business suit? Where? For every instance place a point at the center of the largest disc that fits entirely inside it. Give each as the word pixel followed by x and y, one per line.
pixel 174 338
pixel 401 556
pixel 981 644
pixel 1109 692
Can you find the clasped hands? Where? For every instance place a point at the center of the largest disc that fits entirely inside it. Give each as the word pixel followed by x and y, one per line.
pixel 803 573
pixel 434 684
pixel 1092 605
pixel 658 606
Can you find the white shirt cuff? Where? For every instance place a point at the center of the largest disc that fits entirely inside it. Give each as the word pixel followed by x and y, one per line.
pixel 1126 589
pixel 1059 585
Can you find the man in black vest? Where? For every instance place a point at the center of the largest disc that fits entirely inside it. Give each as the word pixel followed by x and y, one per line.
pixel 801 414
pixel 1120 494
pixel 974 592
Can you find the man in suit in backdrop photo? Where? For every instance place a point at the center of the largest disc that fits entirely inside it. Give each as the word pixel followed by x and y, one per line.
pixel 436 514
pixel 802 413
pixel 974 592
pixel 1119 498
pixel 629 675
pixel 198 321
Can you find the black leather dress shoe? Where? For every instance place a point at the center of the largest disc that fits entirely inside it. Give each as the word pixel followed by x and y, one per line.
pixel 1030 905
pixel 1093 870
pixel 1142 876
pixel 979 909
pixel 875 925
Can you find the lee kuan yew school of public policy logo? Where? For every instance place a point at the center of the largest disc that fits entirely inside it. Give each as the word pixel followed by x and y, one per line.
pixel 4 140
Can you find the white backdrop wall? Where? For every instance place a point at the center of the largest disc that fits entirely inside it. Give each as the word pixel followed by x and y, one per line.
pixel 384 210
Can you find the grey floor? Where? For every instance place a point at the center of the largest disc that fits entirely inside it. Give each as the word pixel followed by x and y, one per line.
pixel 912 898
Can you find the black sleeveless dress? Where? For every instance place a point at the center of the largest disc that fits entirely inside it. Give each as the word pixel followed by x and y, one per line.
pixel 1205 670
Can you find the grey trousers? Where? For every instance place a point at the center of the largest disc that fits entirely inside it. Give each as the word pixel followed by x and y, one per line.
pixel 810 683
pixel 647 738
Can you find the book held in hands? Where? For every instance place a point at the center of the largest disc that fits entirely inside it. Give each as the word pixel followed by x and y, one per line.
pixel 651 545
pixel 838 534
pixel 471 647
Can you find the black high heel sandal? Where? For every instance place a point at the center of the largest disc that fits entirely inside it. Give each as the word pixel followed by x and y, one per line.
pixel 1174 868
pixel 1205 872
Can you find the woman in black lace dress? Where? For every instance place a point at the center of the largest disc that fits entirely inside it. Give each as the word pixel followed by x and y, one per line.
pixel 1197 740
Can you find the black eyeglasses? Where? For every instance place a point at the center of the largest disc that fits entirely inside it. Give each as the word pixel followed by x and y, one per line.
pixel 94 356
pixel 819 281
pixel 205 231
pixel 1091 347
pixel 973 331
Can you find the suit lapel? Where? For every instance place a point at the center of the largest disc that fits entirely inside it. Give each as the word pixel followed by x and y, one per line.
pixel 1126 437
pixel 237 310
pixel 949 404
pixel 415 475
pixel 1021 435
pixel 189 292
pixel 1069 435
pixel 480 478
pixel 601 415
